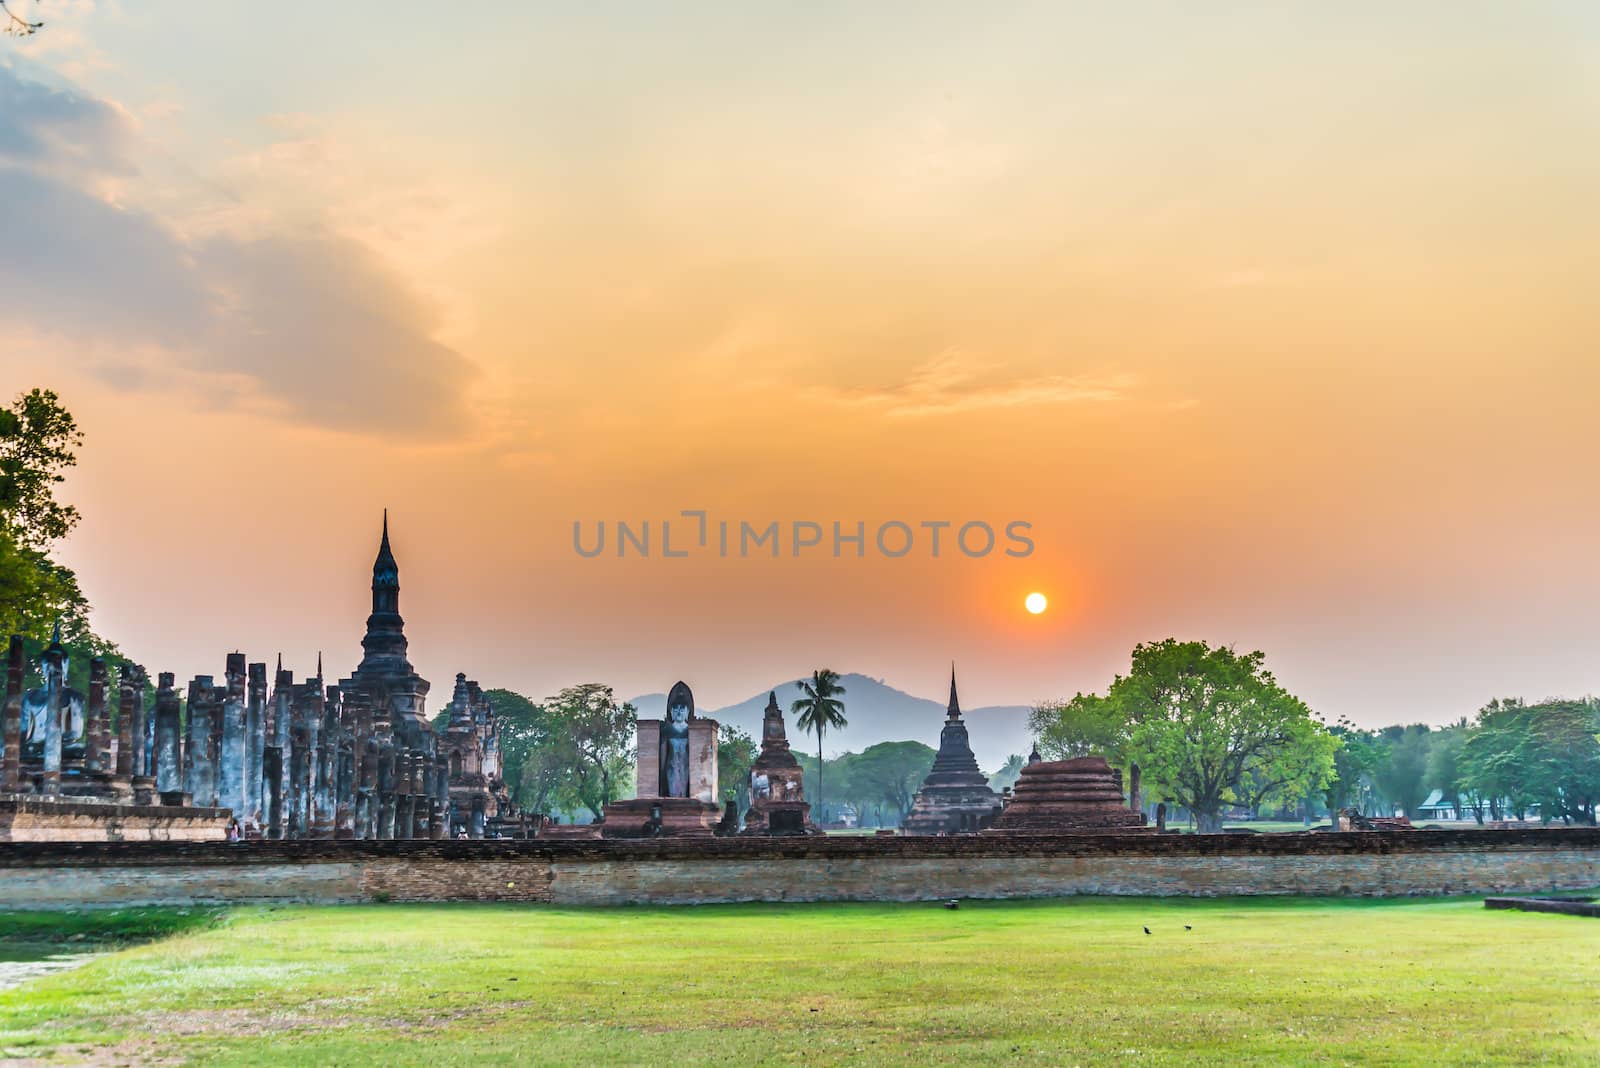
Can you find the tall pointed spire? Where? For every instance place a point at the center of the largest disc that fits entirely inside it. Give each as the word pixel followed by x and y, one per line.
pixel 55 638
pixel 954 711
pixel 384 567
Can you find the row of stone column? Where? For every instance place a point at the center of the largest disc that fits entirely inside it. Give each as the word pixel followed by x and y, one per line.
pixel 307 762
pixel 310 761
pixel 71 750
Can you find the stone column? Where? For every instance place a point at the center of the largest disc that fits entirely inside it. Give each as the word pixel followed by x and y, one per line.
pixel 441 798
pixel 1161 817
pixel 125 723
pixel 138 735
pixel 283 737
pixel 385 797
pixel 255 721
pixel 94 720
pixel 55 708
pixel 325 816
pixel 1135 796
pixel 11 720
pixel 215 701
pixel 272 782
pixel 168 759
pixel 199 758
pixel 231 750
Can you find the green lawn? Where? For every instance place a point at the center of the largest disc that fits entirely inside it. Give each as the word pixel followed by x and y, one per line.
pixel 1288 981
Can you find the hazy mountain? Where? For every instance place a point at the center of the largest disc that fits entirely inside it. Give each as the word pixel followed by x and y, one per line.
pixel 877 713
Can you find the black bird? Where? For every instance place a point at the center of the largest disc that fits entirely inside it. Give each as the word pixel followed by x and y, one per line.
pixel 1186 927
pixel 1147 930
pixel 952 904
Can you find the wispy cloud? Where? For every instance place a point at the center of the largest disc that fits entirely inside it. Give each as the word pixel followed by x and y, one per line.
pixel 953 383
pixel 309 326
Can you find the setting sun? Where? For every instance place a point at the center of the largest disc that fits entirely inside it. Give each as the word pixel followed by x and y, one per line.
pixel 1035 603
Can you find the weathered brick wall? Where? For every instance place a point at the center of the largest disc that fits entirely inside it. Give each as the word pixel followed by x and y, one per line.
pixel 663 871
pixel 28 818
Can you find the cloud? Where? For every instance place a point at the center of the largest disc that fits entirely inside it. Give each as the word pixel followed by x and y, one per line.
pixel 60 129
pixel 952 383
pixel 310 327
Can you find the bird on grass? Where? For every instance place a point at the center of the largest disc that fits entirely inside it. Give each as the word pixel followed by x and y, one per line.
pixel 1147 930
pixel 1186 927
pixel 952 904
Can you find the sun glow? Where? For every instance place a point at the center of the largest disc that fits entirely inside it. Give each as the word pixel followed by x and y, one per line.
pixel 1035 603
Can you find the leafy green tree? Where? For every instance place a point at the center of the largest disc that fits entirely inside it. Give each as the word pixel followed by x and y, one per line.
pixel 1497 758
pixel 545 779
pixel 523 728
pixel 1444 765
pixel 600 733
pixel 1357 754
pixel 1207 725
pixel 889 774
pixel 1402 772
pixel 1087 725
pixel 736 751
pixel 37 438
pixel 1518 755
pixel 820 710
pixel 1008 774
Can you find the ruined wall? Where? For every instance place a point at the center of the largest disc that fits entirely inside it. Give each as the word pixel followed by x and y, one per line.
pixel 32 818
pixel 664 871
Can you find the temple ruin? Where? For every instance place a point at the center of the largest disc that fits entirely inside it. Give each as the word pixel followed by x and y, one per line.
pixel 955 797
pixel 302 760
pixel 777 793
pixel 676 780
pixel 1082 795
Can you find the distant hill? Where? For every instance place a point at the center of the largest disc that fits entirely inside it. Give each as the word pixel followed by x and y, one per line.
pixel 877 713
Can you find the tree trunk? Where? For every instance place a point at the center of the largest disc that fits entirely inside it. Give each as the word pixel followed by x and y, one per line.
pixel 1208 822
pixel 821 815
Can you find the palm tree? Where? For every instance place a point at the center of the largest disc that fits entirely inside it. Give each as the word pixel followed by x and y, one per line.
pixel 820 710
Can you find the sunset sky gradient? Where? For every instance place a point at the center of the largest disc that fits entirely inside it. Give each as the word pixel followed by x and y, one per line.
pixel 1278 322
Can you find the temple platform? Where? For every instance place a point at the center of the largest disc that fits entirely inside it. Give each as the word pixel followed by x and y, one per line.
pixel 1078 796
pixel 679 817
pixel 36 818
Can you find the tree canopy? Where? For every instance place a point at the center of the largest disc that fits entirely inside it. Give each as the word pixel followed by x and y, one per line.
pixel 1209 727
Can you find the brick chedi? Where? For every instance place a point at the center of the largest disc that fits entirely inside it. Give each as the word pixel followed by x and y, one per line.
pixel 471 748
pixel 1078 796
pixel 777 794
pixel 395 694
pixel 955 797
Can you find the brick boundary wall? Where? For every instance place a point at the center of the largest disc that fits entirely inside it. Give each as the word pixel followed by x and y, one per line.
pixel 845 868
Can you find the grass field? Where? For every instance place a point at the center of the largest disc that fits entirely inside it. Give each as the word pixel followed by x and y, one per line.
pixel 1060 982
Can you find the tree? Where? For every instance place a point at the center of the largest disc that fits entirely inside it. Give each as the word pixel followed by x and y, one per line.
pixel 37 438
pixel 523 727
pixel 820 711
pixel 600 733
pixel 1518 755
pixel 1444 765
pixel 1353 761
pixel 1207 725
pixel 1084 726
pixel 890 773
pixel 1401 773
pixel 14 25
pixel 1008 774
pixel 736 751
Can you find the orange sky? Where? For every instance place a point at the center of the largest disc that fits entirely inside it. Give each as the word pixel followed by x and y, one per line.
pixel 1276 323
